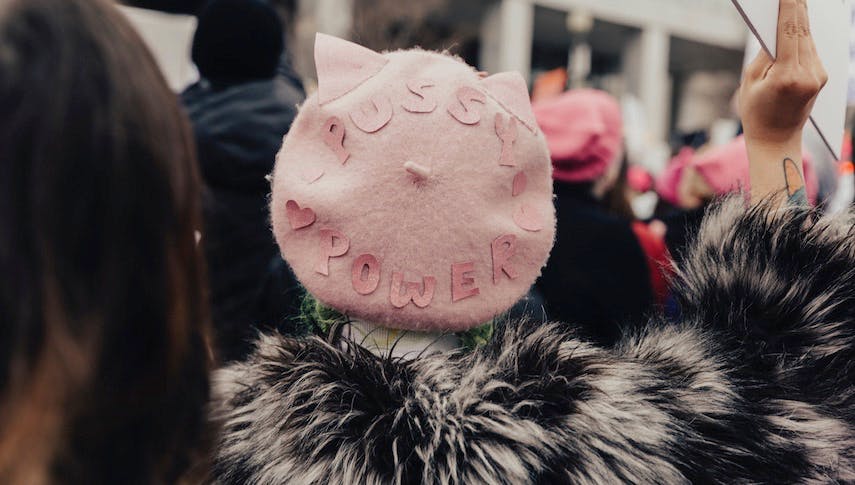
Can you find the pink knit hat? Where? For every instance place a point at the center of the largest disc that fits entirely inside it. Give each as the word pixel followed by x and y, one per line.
pixel 725 170
pixel 584 131
pixel 411 192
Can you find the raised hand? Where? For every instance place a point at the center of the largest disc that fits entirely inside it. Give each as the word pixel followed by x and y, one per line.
pixel 776 99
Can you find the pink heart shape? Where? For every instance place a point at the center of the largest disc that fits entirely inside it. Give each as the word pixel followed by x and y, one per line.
pixel 527 218
pixel 520 183
pixel 297 217
pixel 311 175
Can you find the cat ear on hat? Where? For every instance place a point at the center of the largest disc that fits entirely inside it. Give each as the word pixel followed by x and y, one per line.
pixel 343 66
pixel 510 90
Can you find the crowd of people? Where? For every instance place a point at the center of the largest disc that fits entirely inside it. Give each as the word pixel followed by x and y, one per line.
pixel 409 274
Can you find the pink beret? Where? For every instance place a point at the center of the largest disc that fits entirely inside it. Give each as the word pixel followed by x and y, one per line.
pixel 584 131
pixel 411 192
pixel 725 169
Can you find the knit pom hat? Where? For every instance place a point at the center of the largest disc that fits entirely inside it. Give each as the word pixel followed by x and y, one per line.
pixel 412 192
pixel 584 131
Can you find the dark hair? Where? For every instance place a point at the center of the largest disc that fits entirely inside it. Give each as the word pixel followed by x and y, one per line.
pixel 186 7
pixel 616 199
pixel 103 317
pixel 238 41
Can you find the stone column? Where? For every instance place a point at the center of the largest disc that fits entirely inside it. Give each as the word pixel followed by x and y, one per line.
pixel 646 70
pixel 334 17
pixel 507 35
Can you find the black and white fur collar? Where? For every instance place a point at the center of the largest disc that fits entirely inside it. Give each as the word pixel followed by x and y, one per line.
pixel 755 385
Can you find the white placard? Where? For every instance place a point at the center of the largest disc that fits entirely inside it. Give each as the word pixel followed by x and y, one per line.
pixel 830 26
pixel 169 37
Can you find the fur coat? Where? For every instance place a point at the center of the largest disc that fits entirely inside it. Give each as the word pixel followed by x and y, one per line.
pixel 756 384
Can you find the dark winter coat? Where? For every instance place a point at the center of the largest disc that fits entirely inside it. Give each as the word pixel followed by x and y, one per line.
pixel 239 130
pixel 682 225
pixel 598 277
pixel 756 385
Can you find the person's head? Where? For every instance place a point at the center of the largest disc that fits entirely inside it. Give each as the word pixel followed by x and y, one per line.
pixel 238 41
pixel 692 179
pixel 584 131
pixel 183 7
pixel 412 192
pixel 103 360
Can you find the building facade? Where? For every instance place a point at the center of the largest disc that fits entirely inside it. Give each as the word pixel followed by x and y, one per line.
pixel 679 60
pixel 655 48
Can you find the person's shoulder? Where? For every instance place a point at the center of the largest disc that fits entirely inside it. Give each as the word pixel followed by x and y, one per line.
pixel 293 390
pixel 288 90
pixel 779 280
pixel 194 92
pixel 304 407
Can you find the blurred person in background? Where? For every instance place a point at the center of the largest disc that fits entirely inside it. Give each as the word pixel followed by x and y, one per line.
pixel 606 270
pixel 103 339
pixel 844 193
pixel 694 179
pixel 240 109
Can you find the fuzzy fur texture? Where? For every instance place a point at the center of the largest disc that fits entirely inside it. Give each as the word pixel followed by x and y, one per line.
pixel 756 385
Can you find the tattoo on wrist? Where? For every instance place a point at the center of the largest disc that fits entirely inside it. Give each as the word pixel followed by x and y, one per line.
pixel 796 192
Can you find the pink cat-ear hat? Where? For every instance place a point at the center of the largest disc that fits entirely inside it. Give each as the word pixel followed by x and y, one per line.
pixel 412 192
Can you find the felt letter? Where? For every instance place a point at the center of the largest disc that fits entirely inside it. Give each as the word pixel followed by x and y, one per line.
pixel 373 115
pixel 297 217
pixel 527 218
pixel 333 136
pixel 508 135
pixel 504 248
pixel 411 291
pixel 343 66
pixel 462 108
pixel 311 175
pixel 421 103
pixel 520 183
pixel 368 266
pixel 510 90
pixel 329 249
pixel 462 285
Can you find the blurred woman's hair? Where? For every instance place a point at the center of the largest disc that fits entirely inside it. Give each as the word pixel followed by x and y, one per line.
pixel 103 314
pixel 185 7
pixel 616 198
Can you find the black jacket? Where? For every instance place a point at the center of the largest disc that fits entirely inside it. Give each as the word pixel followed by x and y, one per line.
pixel 239 129
pixel 755 385
pixel 597 276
